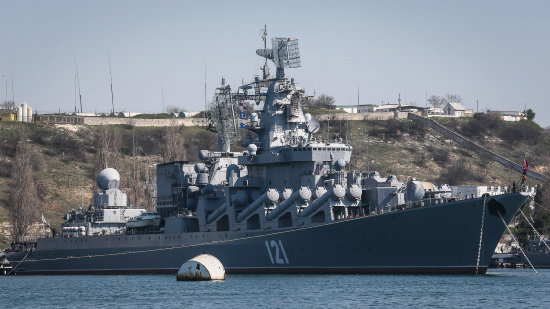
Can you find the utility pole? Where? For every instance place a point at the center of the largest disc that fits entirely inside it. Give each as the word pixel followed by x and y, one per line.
pixel 399 100
pixel 75 94
pixel 78 81
pixel 205 108
pixel 3 76
pixel 477 106
pixel 12 92
pixel 162 94
pixel 368 161
pixel 111 75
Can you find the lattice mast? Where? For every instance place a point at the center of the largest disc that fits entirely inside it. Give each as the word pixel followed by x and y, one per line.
pixel 223 115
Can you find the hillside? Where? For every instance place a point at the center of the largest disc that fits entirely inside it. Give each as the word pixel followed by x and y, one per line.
pixel 65 156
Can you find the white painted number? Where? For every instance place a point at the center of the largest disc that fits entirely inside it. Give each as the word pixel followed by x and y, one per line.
pixel 278 250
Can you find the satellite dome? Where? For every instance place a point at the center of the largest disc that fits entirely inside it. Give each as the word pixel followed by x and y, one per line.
pixel 200 167
pixel 108 178
pixel 340 164
pixel 252 148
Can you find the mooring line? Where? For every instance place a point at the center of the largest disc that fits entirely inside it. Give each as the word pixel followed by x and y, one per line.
pixel 540 235
pixel 19 262
pixel 517 242
pixel 481 233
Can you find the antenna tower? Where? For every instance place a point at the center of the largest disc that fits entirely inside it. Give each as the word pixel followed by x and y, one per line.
pixel 111 76
pixel 265 68
pixel 78 82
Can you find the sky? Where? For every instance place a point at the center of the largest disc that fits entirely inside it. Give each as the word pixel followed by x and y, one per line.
pixel 162 52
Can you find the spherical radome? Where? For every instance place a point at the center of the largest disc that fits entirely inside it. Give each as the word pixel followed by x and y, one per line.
pixel 108 178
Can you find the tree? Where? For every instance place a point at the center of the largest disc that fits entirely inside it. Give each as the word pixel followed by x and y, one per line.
pixel 453 98
pixel 8 105
pixel 107 149
pixel 173 149
pixel 23 196
pixel 436 101
pixel 174 109
pixel 323 101
pixel 530 114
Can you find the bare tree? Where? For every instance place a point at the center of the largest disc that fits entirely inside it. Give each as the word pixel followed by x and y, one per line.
pixel 23 197
pixel 323 101
pixel 173 149
pixel 108 149
pixel 137 182
pixel 8 105
pixel 174 109
pixel 150 188
pixel 436 101
pixel 453 98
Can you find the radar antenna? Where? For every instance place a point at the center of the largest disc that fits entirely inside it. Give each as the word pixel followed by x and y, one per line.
pixel 284 53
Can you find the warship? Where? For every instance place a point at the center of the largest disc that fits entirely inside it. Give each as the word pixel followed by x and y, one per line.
pixel 288 203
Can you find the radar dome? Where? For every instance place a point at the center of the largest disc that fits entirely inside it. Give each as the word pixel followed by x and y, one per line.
pixel 340 164
pixel 108 178
pixel 200 167
pixel 252 148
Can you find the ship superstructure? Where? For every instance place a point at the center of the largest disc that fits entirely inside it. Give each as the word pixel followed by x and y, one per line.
pixel 109 213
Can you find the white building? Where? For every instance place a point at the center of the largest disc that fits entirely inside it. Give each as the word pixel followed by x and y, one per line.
pixel 399 107
pixel 510 115
pixel 433 111
pixel 354 109
pixel 454 109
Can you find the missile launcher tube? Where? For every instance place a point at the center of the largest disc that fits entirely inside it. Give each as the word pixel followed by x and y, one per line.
pixel 216 213
pixel 283 206
pixel 251 208
pixel 317 203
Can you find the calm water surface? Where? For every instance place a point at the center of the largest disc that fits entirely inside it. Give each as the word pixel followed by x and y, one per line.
pixel 499 289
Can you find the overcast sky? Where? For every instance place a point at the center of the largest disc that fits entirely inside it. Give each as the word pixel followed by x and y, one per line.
pixel 496 52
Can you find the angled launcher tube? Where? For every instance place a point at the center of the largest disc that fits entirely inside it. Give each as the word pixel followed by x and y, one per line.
pixel 251 208
pixel 317 203
pixel 216 213
pixel 283 206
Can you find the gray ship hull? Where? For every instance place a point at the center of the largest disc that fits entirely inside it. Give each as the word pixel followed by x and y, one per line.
pixel 432 239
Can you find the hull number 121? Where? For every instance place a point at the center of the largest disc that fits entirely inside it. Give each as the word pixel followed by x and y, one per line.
pixel 276 251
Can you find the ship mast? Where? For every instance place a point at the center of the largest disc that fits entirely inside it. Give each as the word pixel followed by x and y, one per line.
pixel 265 68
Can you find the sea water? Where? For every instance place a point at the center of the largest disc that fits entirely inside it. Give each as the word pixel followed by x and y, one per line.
pixel 518 288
